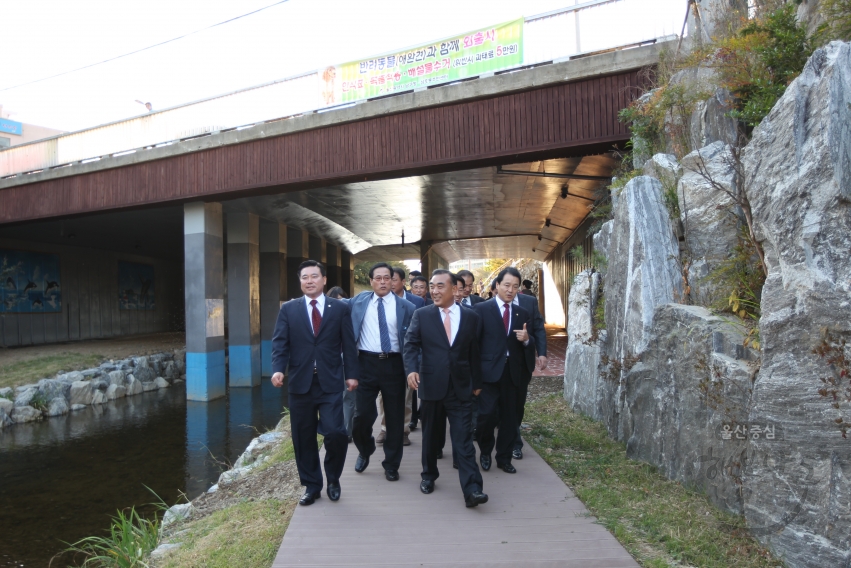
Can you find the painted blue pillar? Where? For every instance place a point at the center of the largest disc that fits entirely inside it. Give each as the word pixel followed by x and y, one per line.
pixel 273 285
pixel 204 290
pixel 243 299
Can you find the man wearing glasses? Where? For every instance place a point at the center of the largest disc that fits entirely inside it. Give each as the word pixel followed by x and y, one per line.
pixel 468 299
pixel 380 320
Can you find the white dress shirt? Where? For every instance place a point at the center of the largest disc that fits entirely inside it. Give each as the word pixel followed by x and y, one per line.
pixel 501 304
pixel 370 335
pixel 320 305
pixel 454 319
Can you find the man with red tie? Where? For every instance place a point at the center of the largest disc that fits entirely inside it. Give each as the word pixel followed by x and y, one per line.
pixel 508 359
pixel 314 345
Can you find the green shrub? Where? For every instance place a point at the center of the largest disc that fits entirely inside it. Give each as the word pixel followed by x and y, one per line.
pixel 837 14
pixel 129 543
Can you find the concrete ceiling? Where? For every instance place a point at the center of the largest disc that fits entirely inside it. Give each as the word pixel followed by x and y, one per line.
pixel 477 213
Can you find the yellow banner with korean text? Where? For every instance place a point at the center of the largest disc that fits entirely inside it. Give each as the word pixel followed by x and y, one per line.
pixel 482 51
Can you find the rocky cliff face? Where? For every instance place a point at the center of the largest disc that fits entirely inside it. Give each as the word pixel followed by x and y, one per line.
pixel 798 179
pixel 676 383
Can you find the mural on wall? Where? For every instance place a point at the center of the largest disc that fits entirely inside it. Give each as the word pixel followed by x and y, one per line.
pixel 135 286
pixel 29 282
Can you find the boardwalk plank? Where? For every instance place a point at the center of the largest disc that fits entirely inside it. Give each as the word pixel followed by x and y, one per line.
pixel 532 519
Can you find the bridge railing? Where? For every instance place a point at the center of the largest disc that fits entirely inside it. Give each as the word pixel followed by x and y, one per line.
pixel 586 27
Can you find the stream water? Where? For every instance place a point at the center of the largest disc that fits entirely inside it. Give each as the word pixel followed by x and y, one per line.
pixel 62 479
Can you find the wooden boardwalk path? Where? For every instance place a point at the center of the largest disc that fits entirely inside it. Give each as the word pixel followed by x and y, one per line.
pixel 531 520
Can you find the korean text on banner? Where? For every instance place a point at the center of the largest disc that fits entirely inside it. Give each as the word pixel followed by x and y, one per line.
pixel 487 50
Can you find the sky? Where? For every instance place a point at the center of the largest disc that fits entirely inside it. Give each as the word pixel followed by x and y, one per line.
pixel 46 37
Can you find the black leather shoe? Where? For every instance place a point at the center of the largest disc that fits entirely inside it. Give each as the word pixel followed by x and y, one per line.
pixel 361 463
pixel 440 454
pixel 308 498
pixel 391 475
pixel 412 426
pixel 333 491
pixel 476 498
pixel 507 468
pixel 426 486
pixel 485 461
pixel 517 454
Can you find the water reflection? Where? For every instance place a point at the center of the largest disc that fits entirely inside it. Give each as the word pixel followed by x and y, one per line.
pixel 61 479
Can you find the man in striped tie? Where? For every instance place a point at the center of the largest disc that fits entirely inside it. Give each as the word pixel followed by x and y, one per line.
pixel 380 320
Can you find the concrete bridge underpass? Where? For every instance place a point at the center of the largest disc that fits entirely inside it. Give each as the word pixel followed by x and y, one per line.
pixel 500 166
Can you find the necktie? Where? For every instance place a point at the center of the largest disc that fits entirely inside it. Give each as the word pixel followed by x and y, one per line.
pixel 447 325
pixel 383 332
pixel 316 317
pixel 505 317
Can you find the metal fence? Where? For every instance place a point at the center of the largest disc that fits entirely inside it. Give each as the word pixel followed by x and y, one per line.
pixel 552 37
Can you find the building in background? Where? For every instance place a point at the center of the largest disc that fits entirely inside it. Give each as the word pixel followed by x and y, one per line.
pixel 14 133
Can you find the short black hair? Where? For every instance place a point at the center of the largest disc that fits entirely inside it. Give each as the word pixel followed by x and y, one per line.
pixel 380 265
pixel 452 277
pixel 308 264
pixel 400 272
pixel 493 285
pixel 464 274
pixel 336 292
pixel 415 273
pixel 527 284
pixel 510 271
pixel 419 278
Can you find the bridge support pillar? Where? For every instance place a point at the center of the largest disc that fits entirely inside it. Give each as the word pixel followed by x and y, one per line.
pixel 204 291
pixel 298 242
pixel 273 285
pixel 332 263
pixel 243 299
pixel 347 272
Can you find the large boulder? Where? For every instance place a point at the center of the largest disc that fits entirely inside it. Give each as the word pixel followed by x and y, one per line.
pixel 53 388
pixel 144 374
pixel 57 406
pixel 6 408
pixel 23 414
pixel 81 392
pixel 116 378
pixel 711 122
pixel 115 391
pixel 663 167
pixel 584 388
pixel 709 214
pixel 693 379
pixel 798 180
pixel 133 385
pixel 642 273
pixel 25 396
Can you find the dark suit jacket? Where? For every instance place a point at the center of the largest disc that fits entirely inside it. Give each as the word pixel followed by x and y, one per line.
pixel 476 299
pixel 536 330
pixel 359 304
pixel 494 343
pixel 414 299
pixel 441 363
pixel 294 348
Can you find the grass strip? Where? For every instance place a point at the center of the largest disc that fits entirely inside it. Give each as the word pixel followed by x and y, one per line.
pixel 660 522
pixel 247 535
pixel 24 372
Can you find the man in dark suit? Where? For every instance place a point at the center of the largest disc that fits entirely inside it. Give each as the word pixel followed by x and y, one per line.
pixel 539 338
pixel 466 287
pixel 508 359
pixel 315 346
pixel 442 361
pixel 398 286
pixel 380 320
pixel 419 287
